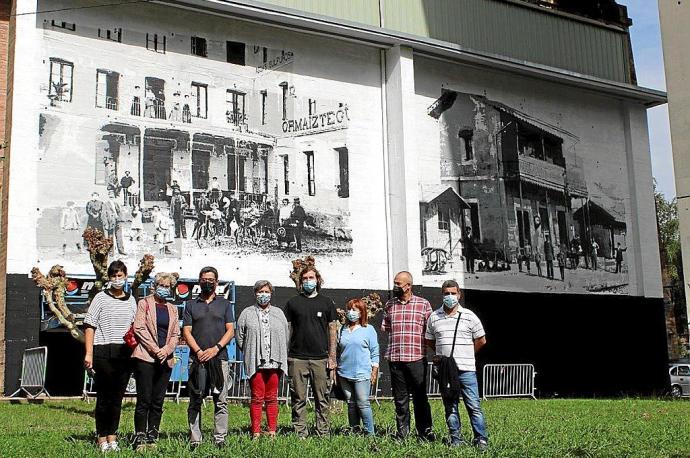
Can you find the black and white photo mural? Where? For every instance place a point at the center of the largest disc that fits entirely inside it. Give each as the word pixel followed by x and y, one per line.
pixel 207 148
pixel 519 190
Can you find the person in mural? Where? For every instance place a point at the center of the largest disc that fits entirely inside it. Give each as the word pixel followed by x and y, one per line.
pixel 548 257
pixel 186 112
pixel 125 183
pixel 70 225
pixel 232 215
pixel 175 110
pixel 137 227
pixel 454 331
pixel 214 187
pixel 94 212
pixel 404 320
pixel 114 218
pixel 358 364
pixel 267 220
pixel 469 250
pixel 285 221
pixel 156 326
pixel 576 248
pixel 312 350
pixel 586 249
pixel 155 220
pixel 618 254
pixel 207 329
pixel 538 250
pixel 262 335
pixel 107 357
pixel 166 232
pixel 562 257
pixel 299 216
pixel 216 217
pixel 178 204
pixel 594 252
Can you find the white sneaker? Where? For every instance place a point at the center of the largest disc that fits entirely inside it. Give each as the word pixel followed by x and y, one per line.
pixel 113 447
pixel 104 447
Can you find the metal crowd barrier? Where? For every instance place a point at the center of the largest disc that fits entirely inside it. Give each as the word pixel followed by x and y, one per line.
pixel 508 380
pixel 433 389
pixel 33 376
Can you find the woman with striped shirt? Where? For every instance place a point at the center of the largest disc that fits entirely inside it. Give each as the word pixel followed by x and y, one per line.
pixel 108 319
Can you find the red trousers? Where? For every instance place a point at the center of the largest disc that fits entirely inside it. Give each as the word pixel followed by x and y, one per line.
pixel 264 387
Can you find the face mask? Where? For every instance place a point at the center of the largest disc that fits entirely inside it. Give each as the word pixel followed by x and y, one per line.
pixel 263 298
pixel 207 288
pixel 353 315
pixel 118 283
pixel 398 292
pixel 163 292
pixel 309 286
pixel 450 301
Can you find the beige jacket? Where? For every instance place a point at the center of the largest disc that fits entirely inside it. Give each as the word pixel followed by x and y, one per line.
pixel 146 331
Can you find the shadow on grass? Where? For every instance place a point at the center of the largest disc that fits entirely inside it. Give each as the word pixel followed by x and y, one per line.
pixel 89 412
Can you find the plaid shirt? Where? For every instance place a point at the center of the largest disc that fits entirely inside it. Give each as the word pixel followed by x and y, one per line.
pixel 405 324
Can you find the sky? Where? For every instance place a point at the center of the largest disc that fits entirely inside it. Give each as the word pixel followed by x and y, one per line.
pixel 649 65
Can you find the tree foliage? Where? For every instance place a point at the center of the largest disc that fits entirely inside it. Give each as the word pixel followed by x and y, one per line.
pixel 669 236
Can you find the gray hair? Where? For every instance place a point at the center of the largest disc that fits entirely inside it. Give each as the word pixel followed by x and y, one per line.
pixel 261 283
pixel 160 276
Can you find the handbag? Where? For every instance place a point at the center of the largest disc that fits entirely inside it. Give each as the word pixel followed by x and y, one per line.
pixel 446 371
pixel 337 387
pixel 130 337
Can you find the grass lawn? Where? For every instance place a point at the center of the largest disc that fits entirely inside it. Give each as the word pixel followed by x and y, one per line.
pixel 517 428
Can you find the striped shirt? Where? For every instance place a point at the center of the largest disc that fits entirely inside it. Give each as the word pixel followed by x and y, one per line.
pixel 111 317
pixel 405 324
pixel 441 328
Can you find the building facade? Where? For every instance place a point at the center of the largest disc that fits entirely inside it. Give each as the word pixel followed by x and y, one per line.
pixel 244 134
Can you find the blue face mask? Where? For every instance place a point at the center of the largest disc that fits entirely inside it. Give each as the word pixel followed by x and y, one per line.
pixel 308 286
pixel 163 292
pixel 450 301
pixel 353 315
pixel 263 298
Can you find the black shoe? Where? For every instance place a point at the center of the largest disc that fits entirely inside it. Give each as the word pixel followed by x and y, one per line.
pixel 427 436
pixel 220 444
pixel 139 442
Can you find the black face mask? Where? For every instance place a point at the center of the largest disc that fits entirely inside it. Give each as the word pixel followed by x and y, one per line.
pixel 398 292
pixel 207 288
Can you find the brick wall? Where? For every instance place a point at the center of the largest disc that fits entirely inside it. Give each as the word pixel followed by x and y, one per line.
pixel 5 9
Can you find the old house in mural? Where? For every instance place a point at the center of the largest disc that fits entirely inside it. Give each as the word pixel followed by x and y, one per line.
pixel 237 143
pixel 519 184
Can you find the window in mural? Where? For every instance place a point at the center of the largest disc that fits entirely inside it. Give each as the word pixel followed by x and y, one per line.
pixel 235 107
pixel 236 52
pixel 155 42
pixel 311 180
pixel 199 47
pixel 61 78
pixel 200 99
pixel 107 83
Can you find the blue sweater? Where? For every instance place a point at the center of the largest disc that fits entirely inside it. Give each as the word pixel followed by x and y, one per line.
pixel 357 351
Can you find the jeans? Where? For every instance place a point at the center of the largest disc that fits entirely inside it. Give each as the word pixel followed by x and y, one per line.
pixel 152 381
pixel 300 371
pixel 410 378
pixel 264 388
pixel 470 396
pixel 358 405
pixel 220 410
pixel 112 364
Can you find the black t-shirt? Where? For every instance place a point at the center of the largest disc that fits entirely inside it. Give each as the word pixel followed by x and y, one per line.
pixel 208 321
pixel 309 318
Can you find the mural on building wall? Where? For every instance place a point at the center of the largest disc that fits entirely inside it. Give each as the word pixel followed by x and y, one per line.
pixel 513 208
pixel 162 171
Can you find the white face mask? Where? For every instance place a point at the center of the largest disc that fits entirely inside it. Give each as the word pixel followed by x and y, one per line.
pixel 118 283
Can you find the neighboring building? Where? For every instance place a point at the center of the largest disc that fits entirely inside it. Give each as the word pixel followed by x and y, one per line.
pixel 374 136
